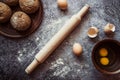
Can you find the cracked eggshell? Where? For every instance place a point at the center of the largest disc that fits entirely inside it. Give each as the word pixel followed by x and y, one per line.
pixel 109 28
pixel 92 32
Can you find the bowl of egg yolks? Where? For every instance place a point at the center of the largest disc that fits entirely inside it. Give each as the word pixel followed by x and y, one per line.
pixel 106 56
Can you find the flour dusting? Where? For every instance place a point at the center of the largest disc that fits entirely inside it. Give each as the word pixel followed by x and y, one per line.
pixel 24 49
pixel 60 68
pixel 57 63
pixel 37 39
pixel 62 72
pixel 54 23
pixel 49 26
pixel 19 59
pixel 20 54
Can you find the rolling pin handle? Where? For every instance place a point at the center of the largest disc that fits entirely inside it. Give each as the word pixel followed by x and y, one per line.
pixel 83 11
pixel 32 66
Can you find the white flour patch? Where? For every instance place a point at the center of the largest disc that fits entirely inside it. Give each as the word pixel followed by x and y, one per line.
pixel 62 72
pixel 24 49
pixel 20 54
pixel 28 43
pixel 37 39
pixel 60 61
pixel 76 64
pixel 57 63
pixel 60 68
pixel 78 70
pixel 87 65
pixel 19 59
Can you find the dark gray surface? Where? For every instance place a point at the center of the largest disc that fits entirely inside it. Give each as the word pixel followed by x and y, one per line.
pixel 17 54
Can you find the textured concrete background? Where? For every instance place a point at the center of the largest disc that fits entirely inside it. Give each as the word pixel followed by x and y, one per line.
pixel 17 54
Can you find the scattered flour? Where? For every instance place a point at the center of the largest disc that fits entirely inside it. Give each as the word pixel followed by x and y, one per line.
pixel 37 39
pixel 87 65
pixel 57 63
pixel 24 49
pixel 78 70
pixel 62 72
pixel 20 54
pixel 54 23
pixel 60 68
pixel 19 59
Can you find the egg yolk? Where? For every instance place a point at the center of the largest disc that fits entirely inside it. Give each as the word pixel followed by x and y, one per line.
pixel 103 52
pixel 104 61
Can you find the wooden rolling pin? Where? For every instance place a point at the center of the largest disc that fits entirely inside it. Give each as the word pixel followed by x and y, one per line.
pixel 57 39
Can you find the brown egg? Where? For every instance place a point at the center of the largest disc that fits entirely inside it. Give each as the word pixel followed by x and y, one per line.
pixel 29 6
pixel 20 21
pixel 62 4
pixel 77 49
pixel 5 12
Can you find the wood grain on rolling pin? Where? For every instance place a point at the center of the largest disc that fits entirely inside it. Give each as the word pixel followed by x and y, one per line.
pixel 57 39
